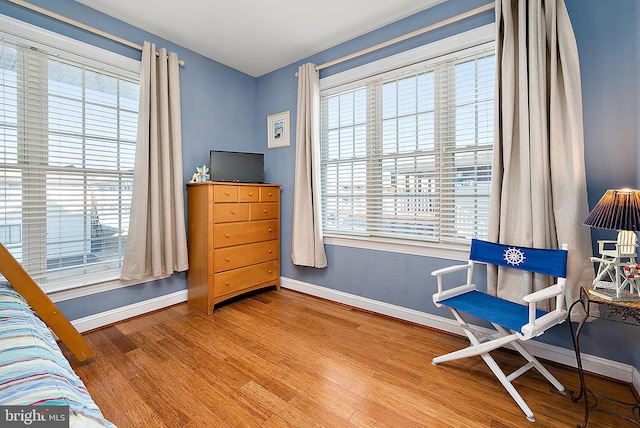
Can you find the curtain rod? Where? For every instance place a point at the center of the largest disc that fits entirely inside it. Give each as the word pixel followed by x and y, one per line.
pixel 398 39
pixel 80 25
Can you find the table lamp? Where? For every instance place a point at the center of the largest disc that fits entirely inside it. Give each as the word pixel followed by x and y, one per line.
pixel 618 209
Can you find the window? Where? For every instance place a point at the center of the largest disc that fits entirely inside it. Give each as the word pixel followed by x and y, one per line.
pixel 68 127
pixel 10 233
pixel 406 154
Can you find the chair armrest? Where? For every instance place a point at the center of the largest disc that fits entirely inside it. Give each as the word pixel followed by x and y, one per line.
pixel 536 326
pixel 449 269
pixel 439 272
pixel 541 324
pixel 606 244
pixel 545 293
pixel 603 243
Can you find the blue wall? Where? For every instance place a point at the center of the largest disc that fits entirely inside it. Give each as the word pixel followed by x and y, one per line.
pixel 225 109
pixel 217 112
pixel 389 277
pixel 606 33
pixel 608 40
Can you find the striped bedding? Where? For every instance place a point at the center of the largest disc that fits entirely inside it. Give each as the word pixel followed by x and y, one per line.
pixel 33 370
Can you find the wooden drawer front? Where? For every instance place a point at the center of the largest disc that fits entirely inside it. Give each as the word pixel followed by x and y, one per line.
pixel 264 211
pixel 222 193
pixel 248 194
pixel 239 279
pixel 269 194
pixel 228 234
pixel 244 255
pixel 224 213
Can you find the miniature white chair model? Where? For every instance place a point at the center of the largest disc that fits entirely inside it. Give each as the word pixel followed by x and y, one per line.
pixel 615 257
pixel 513 322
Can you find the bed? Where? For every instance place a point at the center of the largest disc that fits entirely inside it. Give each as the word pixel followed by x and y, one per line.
pixel 33 369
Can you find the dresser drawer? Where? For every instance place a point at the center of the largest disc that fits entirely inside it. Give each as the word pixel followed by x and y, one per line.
pixel 228 234
pixel 225 213
pixel 263 210
pixel 242 278
pixel 244 255
pixel 222 193
pixel 248 194
pixel 269 194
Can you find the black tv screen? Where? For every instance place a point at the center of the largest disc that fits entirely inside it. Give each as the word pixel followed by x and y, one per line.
pixel 239 167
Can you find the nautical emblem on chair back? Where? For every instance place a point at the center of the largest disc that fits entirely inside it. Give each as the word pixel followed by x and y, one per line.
pixel 514 256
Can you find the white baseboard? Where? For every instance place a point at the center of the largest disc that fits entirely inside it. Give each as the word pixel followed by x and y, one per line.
pixel 119 314
pixel 590 363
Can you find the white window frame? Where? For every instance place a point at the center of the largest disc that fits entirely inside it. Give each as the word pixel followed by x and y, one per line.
pixel 480 36
pixel 20 32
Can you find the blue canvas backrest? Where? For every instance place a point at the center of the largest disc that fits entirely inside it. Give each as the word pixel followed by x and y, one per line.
pixel 545 261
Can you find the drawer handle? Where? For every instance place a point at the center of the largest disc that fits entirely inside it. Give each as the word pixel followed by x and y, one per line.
pixel 226 235
pixel 264 211
pixel 226 283
pixel 270 271
pixel 226 193
pixel 233 213
pixel 270 251
pixel 269 229
pixel 270 193
pixel 227 259
pixel 250 193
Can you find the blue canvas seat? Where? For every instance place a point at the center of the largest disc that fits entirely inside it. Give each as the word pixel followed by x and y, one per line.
pixel 514 322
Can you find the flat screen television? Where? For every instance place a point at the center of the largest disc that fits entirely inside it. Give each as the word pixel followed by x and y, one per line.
pixel 238 167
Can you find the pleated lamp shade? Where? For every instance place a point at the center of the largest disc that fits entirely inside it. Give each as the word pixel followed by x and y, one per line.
pixel 617 209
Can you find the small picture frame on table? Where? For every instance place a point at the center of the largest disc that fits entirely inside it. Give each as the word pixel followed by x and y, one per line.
pixel 278 130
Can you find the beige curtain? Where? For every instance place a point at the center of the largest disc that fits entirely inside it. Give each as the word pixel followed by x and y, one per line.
pixel 539 195
pixel 157 244
pixel 307 247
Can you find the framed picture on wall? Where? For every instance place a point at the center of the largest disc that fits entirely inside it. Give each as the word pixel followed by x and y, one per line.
pixel 278 130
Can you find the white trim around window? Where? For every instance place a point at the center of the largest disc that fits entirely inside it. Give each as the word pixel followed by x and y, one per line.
pixel 442 50
pixel 115 66
pixel 468 39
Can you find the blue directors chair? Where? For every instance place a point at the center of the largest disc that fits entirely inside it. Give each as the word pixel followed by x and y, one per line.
pixel 513 322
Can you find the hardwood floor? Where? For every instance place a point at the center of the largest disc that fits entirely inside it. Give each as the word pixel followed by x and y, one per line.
pixel 285 359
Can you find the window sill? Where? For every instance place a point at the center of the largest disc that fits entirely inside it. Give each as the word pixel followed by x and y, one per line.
pixel 59 294
pixel 441 251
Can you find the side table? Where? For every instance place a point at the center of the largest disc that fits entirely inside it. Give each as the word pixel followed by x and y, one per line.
pixel 624 312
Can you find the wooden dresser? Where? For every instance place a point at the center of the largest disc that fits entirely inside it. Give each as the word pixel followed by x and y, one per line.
pixel 234 240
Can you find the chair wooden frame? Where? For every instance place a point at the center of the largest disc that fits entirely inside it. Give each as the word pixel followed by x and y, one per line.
pixel 513 322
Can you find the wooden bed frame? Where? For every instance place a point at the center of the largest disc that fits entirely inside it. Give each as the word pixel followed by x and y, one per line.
pixel 22 282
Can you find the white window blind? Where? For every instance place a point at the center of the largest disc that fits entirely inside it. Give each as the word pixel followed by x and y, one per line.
pixel 407 154
pixel 67 143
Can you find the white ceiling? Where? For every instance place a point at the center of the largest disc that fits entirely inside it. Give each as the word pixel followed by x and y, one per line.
pixel 258 36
